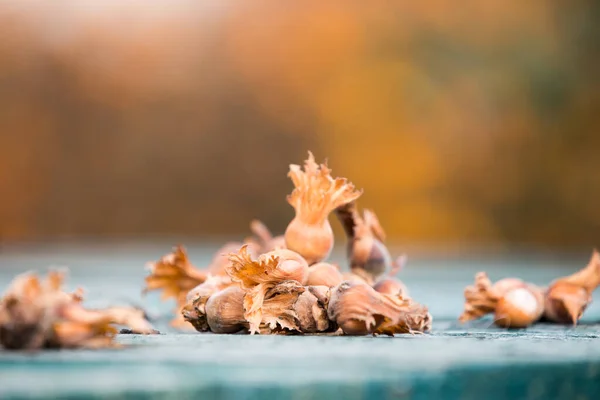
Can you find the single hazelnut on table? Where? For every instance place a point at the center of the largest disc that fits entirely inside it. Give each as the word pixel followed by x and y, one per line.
pixel 514 303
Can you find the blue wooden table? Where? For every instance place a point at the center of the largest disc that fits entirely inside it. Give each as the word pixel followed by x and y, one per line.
pixel 474 361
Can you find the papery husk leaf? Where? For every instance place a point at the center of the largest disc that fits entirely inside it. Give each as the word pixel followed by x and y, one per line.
pixel 253 301
pixel 74 334
pixel 290 308
pixel 92 328
pixel 257 277
pixel 413 318
pixel 588 277
pixel 278 306
pixel 480 298
pixel 565 302
pixel 316 193
pixel 268 268
pixel 174 274
pixel 311 308
pixel 176 277
pixel 568 297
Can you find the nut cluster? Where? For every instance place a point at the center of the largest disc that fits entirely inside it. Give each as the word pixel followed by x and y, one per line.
pixel 285 285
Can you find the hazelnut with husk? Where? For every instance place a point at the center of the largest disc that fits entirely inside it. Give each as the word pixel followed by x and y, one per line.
pixel 311 309
pixel 316 194
pixel 36 313
pixel 175 276
pixel 568 297
pixel 324 274
pixel 258 277
pixel 359 310
pixel 290 307
pixel 515 304
pixel 369 257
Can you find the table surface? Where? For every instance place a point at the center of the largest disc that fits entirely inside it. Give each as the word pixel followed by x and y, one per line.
pixel 475 360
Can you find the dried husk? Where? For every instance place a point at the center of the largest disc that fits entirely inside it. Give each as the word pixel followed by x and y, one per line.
pixel 292 308
pixel 414 318
pixel 278 313
pixel 288 307
pixel 258 277
pixel 94 328
pixel 324 274
pixel 174 276
pixel 36 313
pixel 311 308
pixel 568 297
pixel 316 194
pixel 359 310
pixel 369 257
pixel 482 297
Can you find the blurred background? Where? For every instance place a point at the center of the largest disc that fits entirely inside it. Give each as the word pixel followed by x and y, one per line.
pixel 470 125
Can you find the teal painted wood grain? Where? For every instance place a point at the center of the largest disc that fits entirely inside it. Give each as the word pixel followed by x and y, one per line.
pixel 473 361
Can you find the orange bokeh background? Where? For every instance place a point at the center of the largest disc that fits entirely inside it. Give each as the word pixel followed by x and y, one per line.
pixel 468 124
